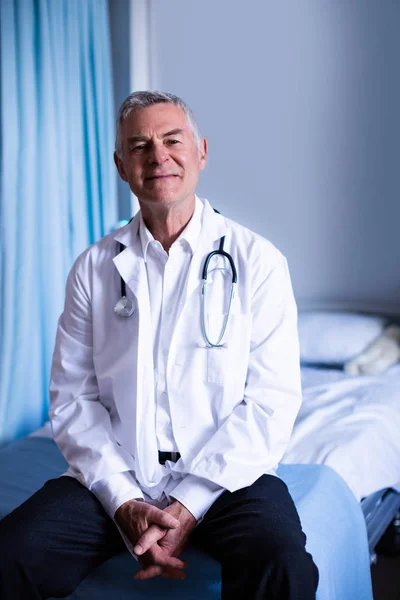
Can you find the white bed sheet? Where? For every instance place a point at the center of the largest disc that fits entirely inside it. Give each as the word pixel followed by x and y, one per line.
pixel 352 424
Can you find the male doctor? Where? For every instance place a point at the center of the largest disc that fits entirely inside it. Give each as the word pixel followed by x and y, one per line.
pixel 169 438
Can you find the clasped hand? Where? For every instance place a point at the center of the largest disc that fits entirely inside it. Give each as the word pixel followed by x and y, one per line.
pixel 158 536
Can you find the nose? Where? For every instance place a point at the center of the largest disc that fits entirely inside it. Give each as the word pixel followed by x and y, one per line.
pixel 158 154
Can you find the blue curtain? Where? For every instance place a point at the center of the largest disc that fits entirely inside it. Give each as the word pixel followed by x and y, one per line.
pixel 58 186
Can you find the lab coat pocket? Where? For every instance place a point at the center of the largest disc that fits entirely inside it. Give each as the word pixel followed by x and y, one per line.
pixel 227 364
pixel 217 365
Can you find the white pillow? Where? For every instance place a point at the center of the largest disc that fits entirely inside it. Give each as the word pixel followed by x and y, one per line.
pixel 379 356
pixel 334 337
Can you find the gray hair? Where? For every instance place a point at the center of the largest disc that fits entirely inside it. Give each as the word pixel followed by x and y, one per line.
pixel 139 100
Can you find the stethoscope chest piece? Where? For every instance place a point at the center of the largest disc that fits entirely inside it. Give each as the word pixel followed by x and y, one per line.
pixel 124 307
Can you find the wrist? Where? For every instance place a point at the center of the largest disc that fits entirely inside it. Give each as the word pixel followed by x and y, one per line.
pixel 126 506
pixel 180 512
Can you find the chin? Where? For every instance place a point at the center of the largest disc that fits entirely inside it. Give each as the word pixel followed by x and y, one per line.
pixel 165 198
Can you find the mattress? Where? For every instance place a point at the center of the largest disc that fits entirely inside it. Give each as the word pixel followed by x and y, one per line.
pixel 352 424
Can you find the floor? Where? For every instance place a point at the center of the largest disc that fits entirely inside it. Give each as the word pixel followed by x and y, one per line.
pixel 386 579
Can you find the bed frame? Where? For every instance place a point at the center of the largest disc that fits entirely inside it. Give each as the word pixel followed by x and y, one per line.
pixel 380 510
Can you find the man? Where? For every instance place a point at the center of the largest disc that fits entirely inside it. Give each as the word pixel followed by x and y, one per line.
pixel 169 437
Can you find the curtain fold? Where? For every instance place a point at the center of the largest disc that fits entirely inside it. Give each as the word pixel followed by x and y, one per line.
pixel 58 185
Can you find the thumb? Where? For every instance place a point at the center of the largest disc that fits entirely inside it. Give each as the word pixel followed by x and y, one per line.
pixel 150 536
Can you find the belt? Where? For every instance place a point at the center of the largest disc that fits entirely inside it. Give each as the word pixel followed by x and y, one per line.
pixel 163 456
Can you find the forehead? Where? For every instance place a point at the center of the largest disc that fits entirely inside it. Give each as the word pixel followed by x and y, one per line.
pixel 157 119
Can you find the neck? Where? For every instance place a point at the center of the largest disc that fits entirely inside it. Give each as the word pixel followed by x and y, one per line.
pixel 166 223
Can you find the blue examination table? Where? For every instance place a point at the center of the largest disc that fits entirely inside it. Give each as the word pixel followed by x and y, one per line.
pixel 331 517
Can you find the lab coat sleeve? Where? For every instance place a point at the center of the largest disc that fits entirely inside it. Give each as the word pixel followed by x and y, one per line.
pixel 115 490
pixel 196 494
pixel 253 438
pixel 80 422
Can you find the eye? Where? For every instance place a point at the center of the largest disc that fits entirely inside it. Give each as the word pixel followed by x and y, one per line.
pixel 138 147
pixel 173 142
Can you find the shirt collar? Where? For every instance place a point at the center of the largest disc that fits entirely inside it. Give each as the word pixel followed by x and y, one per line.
pixel 190 234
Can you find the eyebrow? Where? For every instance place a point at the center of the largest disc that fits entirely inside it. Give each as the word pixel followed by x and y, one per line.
pixel 172 132
pixel 142 138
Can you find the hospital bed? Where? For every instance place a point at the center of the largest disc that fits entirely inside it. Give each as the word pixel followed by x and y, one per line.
pixel 342 469
pixel 350 422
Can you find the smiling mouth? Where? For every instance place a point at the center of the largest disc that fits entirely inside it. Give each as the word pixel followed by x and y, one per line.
pixel 153 177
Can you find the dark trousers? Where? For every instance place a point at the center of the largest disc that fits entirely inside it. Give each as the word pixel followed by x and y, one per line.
pixel 53 540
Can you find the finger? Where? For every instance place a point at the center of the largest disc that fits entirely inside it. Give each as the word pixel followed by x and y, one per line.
pixel 162 558
pixel 162 518
pixel 149 572
pixel 150 537
pixel 157 571
pixel 172 574
pixel 172 562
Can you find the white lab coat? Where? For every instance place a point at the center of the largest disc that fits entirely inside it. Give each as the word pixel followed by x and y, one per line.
pixel 232 408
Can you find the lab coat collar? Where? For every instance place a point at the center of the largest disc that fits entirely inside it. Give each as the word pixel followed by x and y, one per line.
pixel 130 263
pixel 128 234
pixel 213 227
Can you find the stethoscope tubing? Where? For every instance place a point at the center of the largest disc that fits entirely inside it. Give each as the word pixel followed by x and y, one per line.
pixel 220 252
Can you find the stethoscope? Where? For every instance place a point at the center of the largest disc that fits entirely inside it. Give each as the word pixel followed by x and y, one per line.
pixel 125 308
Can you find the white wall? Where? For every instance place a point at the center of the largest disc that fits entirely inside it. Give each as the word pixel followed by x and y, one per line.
pixel 300 102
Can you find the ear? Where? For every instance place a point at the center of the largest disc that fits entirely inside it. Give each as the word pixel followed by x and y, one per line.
pixel 203 153
pixel 120 167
